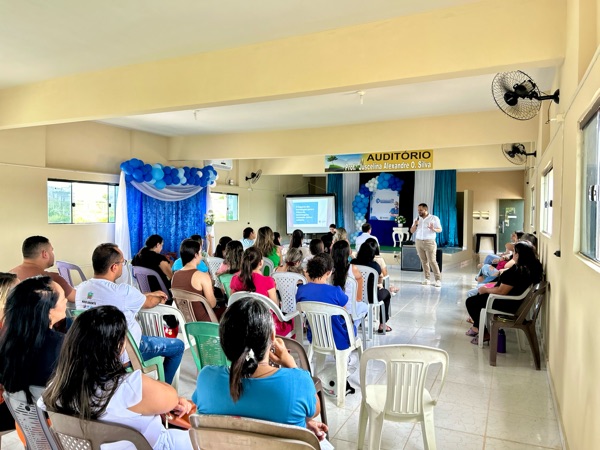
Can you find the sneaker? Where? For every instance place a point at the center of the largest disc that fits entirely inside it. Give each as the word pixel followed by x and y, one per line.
pixel 438 283
pixel 425 282
pixel 349 389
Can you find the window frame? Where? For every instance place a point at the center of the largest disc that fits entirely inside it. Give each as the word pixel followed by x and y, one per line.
pixel 227 205
pixel 547 201
pixel 110 206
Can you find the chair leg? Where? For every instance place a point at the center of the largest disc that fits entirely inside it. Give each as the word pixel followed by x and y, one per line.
pixel 364 333
pixel 370 322
pixel 299 329
pixel 375 429
pixel 428 430
pixel 341 369
pixel 482 323
pixel 519 341
pixel 362 424
pixel 382 308
pixel 323 409
pixel 493 342
pixel 319 363
pixel 534 344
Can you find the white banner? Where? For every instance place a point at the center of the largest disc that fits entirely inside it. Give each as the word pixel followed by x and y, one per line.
pixel 384 204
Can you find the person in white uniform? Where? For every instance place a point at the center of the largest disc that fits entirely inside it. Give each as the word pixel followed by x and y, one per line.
pixel 424 231
pixel 93 385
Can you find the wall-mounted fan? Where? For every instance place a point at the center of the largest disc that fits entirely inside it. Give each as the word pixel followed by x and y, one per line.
pixel 517 95
pixel 253 178
pixel 516 153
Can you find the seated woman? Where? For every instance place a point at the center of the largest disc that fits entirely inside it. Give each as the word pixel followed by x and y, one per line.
pixel 366 257
pixel 29 347
pixel 342 270
pixel 293 262
pixel 277 238
pixel 495 259
pixel 252 387
pixel 526 271
pixel 232 261
pixel 150 258
pixel 202 267
pixel 266 246
pixel 341 235
pixel 296 242
pixel 251 279
pixel 190 279
pixel 95 386
pixel 7 282
pixel 220 250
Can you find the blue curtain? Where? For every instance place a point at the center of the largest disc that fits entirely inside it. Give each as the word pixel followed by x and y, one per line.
pixel 444 206
pixel 335 185
pixel 174 221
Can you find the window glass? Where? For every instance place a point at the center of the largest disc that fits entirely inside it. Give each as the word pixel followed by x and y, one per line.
pixel 547 195
pixel 77 202
pixel 224 206
pixel 59 202
pixel 590 246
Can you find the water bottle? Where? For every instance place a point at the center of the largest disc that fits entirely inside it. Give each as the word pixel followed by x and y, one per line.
pixel 501 341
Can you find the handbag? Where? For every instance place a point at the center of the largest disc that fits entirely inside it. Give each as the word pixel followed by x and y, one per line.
pixel 171 420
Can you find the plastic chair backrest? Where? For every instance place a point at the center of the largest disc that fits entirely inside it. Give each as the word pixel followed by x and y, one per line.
pixel 263 298
pixel 184 299
pixel 225 280
pixel 533 302
pixel 287 286
pixel 138 363
pixel 406 368
pixel 31 419
pixel 64 269
pixel 236 433
pixel 367 272
pixel 352 287
pixel 213 264
pixel 298 353
pixel 319 317
pixel 77 434
pixel 151 320
pixel 268 267
pixel 205 344
pixel 141 274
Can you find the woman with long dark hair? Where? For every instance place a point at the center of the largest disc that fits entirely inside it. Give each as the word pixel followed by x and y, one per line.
pixel 29 347
pixel 252 387
pixel 366 257
pixel 150 257
pixel 526 271
pixel 296 242
pixel 251 279
pixel 220 250
pixel 233 258
pixel 342 270
pixel 266 245
pixel 93 385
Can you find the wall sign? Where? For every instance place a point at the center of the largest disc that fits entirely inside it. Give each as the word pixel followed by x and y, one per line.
pixel 377 162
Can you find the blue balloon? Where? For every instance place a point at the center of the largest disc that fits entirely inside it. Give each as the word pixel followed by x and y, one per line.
pixel 125 167
pixel 193 171
pixel 157 166
pixel 175 181
pixel 157 174
pixel 160 184
pixel 128 178
pixel 147 177
pixel 168 180
pixel 136 163
pixel 167 170
pixel 138 175
pixel 147 168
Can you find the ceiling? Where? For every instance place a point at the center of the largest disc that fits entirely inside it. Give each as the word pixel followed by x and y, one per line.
pixel 41 40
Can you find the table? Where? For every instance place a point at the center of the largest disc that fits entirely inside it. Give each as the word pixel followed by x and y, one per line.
pixel 397 231
pixel 493 236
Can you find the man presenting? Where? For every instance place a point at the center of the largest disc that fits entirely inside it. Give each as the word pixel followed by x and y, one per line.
pixel 107 261
pixel 424 230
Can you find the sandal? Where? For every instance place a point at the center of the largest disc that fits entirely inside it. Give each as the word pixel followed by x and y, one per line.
pixel 387 329
pixel 469 320
pixel 475 340
pixel 472 333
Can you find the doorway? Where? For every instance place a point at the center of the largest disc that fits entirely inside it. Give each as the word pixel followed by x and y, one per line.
pixel 511 216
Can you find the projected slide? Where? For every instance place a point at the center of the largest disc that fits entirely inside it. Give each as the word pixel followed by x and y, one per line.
pixel 311 214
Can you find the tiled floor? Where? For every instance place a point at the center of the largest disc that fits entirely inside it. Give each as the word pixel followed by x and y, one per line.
pixel 507 407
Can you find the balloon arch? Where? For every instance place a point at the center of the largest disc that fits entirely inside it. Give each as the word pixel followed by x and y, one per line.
pixel 361 200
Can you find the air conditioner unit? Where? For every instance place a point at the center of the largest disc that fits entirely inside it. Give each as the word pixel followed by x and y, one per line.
pixel 221 164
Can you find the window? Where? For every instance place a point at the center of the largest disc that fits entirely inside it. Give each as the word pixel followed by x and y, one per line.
pixel 78 202
pixel 590 241
pixel 532 214
pixel 546 204
pixel 224 206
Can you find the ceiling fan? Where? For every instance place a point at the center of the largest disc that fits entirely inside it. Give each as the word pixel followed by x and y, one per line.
pixel 517 95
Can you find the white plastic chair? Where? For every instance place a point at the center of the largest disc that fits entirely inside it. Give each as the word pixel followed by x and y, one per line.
pixel 319 317
pixel 64 269
pixel 404 397
pixel 286 284
pixel 268 264
pixel 31 419
pixel 376 306
pixel 488 312
pixel 268 303
pixel 213 264
pixel 151 322
pixel 352 288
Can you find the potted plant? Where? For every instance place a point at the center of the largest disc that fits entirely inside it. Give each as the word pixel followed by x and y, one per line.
pixel 400 220
pixel 209 220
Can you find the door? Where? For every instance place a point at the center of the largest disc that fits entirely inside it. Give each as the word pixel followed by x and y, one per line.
pixel 511 214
